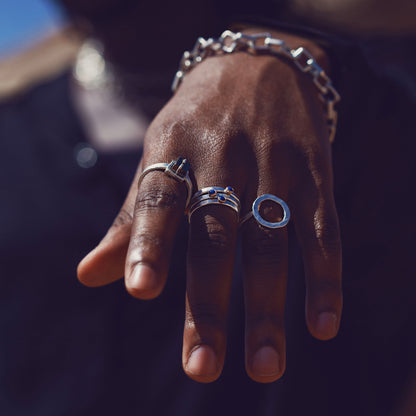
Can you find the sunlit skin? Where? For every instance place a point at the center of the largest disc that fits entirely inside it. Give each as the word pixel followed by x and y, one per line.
pixel 254 123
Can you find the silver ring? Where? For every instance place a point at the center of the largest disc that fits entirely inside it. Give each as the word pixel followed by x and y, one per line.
pixel 255 212
pixel 217 191
pixel 214 195
pixel 177 169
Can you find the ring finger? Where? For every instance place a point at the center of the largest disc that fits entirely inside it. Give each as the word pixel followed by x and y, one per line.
pixel 265 263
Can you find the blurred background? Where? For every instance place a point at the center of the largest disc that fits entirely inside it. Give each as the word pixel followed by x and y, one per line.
pixel 27 21
pixel 28 25
pixel 71 136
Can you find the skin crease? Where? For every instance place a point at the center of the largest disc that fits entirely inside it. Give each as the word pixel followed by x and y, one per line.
pixel 232 112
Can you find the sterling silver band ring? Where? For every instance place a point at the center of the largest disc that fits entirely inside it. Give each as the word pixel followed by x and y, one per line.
pixel 176 169
pixel 214 195
pixel 255 212
pixel 217 191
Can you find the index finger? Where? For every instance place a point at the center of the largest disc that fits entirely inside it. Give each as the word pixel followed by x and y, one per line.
pixel 159 208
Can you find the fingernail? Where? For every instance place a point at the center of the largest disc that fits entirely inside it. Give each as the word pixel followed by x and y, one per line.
pixel 202 361
pixel 266 362
pixel 143 277
pixel 327 323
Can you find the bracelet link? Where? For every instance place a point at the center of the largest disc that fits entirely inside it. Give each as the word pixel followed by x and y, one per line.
pixel 320 79
pixel 303 59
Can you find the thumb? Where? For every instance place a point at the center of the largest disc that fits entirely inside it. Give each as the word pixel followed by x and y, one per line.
pixel 105 264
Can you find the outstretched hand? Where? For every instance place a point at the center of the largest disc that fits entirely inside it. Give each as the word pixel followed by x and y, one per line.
pixel 254 123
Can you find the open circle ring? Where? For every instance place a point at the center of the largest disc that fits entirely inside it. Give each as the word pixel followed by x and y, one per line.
pixel 255 212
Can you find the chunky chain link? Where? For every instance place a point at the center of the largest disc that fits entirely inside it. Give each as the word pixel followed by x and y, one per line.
pixel 258 43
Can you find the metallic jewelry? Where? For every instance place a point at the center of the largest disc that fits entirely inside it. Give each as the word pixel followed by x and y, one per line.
pixel 214 195
pixel 255 212
pixel 261 43
pixel 177 169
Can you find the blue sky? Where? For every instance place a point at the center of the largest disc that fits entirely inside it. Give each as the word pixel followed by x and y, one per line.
pixel 22 21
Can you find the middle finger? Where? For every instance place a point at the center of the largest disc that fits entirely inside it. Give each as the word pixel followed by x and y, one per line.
pixel 212 244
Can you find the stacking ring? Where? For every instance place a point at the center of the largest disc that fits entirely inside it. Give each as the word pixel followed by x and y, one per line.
pixel 214 195
pixel 255 212
pixel 177 169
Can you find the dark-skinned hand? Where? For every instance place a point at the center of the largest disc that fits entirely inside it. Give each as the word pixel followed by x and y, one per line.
pixel 254 123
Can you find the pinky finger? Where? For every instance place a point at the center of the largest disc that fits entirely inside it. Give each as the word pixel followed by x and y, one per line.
pixel 318 233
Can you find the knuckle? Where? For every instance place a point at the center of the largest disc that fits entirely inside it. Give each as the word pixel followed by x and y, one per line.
pixel 270 323
pixel 167 127
pixel 178 127
pixel 144 240
pixel 332 245
pixel 212 241
pixel 328 241
pixel 326 236
pixel 122 218
pixel 157 199
pixel 268 247
pixel 204 314
pixel 327 288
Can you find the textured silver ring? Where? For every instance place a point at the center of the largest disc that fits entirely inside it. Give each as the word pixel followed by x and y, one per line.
pixel 255 212
pixel 214 195
pixel 176 169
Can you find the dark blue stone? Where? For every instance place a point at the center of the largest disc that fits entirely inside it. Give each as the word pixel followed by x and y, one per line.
pixel 186 166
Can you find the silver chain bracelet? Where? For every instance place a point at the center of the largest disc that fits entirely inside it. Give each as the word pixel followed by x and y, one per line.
pixel 230 42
